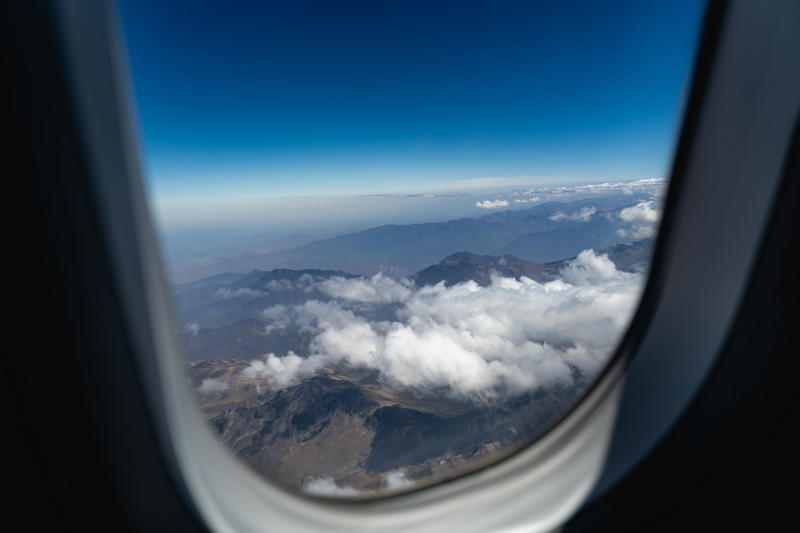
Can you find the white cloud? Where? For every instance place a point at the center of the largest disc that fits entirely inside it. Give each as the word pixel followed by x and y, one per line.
pixel 339 335
pixel 492 204
pixel 527 200
pixel 279 372
pixel 212 386
pixel 326 486
pixel 589 269
pixel 227 294
pixel 377 289
pixel 642 217
pixel 643 212
pixel 192 328
pixel 466 340
pixel 584 214
pixel 277 285
pixel 647 185
pixel 278 317
pixel 397 479
pixel 306 282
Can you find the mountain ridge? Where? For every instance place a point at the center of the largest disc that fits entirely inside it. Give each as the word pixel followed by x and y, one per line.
pixel 402 249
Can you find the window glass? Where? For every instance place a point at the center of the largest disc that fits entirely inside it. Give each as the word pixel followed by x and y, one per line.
pixel 402 237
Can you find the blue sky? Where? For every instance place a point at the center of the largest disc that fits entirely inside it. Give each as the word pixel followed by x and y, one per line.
pixel 297 98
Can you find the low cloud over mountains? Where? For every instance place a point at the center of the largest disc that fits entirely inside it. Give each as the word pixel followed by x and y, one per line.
pixel 466 340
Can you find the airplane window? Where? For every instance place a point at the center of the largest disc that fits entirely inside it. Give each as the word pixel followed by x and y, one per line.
pixel 403 238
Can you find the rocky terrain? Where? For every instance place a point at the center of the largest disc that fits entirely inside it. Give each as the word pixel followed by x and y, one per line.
pixel 346 428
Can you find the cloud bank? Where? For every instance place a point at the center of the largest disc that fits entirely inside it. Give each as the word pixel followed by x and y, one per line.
pixel 652 186
pixel 463 341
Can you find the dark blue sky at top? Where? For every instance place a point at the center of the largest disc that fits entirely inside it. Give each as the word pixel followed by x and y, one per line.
pixel 296 98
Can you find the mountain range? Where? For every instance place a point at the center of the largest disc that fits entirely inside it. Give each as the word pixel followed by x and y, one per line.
pixel 545 232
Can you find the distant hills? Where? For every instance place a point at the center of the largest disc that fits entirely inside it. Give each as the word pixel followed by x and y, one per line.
pixel 543 233
pixel 465 266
